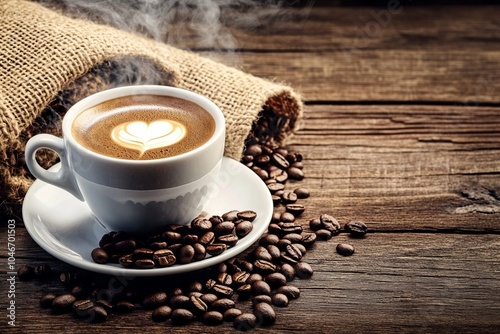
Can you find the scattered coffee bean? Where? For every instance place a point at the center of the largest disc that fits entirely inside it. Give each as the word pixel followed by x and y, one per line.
pixel 43 271
pixel 302 193
pixel 303 270
pixel 279 300
pixel 25 273
pixel 63 303
pixel 345 249
pixel 245 322
pixel 181 317
pixel 212 318
pixel 97 314
pixel 292 292
pixel 46 300
pixel 231 314
pixel 356 229
pixel 161 313
pixel 154 300
pixel 265 314
pixel 123 307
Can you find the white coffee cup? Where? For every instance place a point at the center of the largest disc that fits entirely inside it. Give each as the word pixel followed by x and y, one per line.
pixel 133 195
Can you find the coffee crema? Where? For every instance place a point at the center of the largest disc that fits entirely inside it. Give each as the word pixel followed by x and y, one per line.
pixel 143 127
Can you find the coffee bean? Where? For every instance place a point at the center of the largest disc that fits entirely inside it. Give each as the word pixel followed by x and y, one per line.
pixel 78 291
pixel 295 209
pixel 43 271
pixel 230 216
pixel 179 301
pixel 265 314
pixel 245 322
pixel 229 239
pixel 264 267
pixel 290 291
pixel 288 271
pixel 161 313
pixel 253 278
pixel 212 318
pixel 315 224
pixel 189 239
pixel 274 228
pixel 302 193
pixel 274 251
pixel 261 288
pixel 142 254
pixel 164 258
pixel 125 247
pixel 123 307
pixel 225 278
pixel 226 227
pixel 25 273
pixel 293 252
pixel 201 226
pixel 154 300
pixel 308 239
pixel 63 303
pixel 231 314
pixel 195 286
pixel 222 290
pixel 293 237
pixel 269 239
pixel 247 215
pixel 240 277
pixel 279 300
pixel 244 291
pixel 280 161
pixel 280 176
pixel 282 243
pixel 289 197
pixel 287 217
pixel 158 245
pixel 97 314
pixel 222 305
pixel 46 300
pixel 295 173
pixel 275 280
pixel 243 229
pixel 356 229
pixel 207 238
pixel 144 264
pixel 81 307
pixel 253 150
pixel 186 254
pixel 216 249
pixel 209 298
pixel 104 304
pixel 330 223
pixel 197 305
pixel 323 234
pixel 303 270
pixel 275 186
pixel 172 237
pixel 126 261
pixel 345 249
pixel 288 228
pixel 200 252
pixel 181 317
pixel 261 253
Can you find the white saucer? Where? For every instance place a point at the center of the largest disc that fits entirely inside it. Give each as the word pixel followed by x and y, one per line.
pixel 65 228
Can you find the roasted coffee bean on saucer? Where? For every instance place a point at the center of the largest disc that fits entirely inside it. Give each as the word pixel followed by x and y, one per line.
pixel 178 244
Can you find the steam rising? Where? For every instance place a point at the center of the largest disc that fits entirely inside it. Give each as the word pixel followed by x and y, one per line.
pixel 194 24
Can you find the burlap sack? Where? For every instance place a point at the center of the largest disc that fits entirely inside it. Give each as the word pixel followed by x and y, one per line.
pixel 49 61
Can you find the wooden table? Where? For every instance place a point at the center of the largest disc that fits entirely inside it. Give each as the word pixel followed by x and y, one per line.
pixel 401 131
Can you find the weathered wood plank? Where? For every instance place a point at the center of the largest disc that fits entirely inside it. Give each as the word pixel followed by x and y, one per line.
pixel 419 282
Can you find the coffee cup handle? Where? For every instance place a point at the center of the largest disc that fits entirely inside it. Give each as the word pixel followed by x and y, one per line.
pixel 63 178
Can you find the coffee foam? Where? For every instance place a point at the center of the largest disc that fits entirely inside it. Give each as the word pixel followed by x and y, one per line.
pixel 191 127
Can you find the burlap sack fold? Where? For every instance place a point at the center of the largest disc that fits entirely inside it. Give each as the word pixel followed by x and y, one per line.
pixel 49 61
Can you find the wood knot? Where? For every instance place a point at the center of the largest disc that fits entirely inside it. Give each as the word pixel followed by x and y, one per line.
pixel 483 201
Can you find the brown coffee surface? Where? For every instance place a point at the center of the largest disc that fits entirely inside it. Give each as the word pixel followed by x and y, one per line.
pixel 143 127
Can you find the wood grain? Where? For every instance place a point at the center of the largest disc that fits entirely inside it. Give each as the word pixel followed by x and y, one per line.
pixel 401 130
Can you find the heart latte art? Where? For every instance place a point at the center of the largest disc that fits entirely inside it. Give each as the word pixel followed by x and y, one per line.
pixel 141 136
pixel 143 127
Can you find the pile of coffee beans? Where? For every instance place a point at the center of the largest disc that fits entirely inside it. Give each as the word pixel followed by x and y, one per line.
pixel 244 291
pixel 178 244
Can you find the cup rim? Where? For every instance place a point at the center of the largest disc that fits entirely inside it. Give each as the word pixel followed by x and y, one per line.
pixel 117 92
